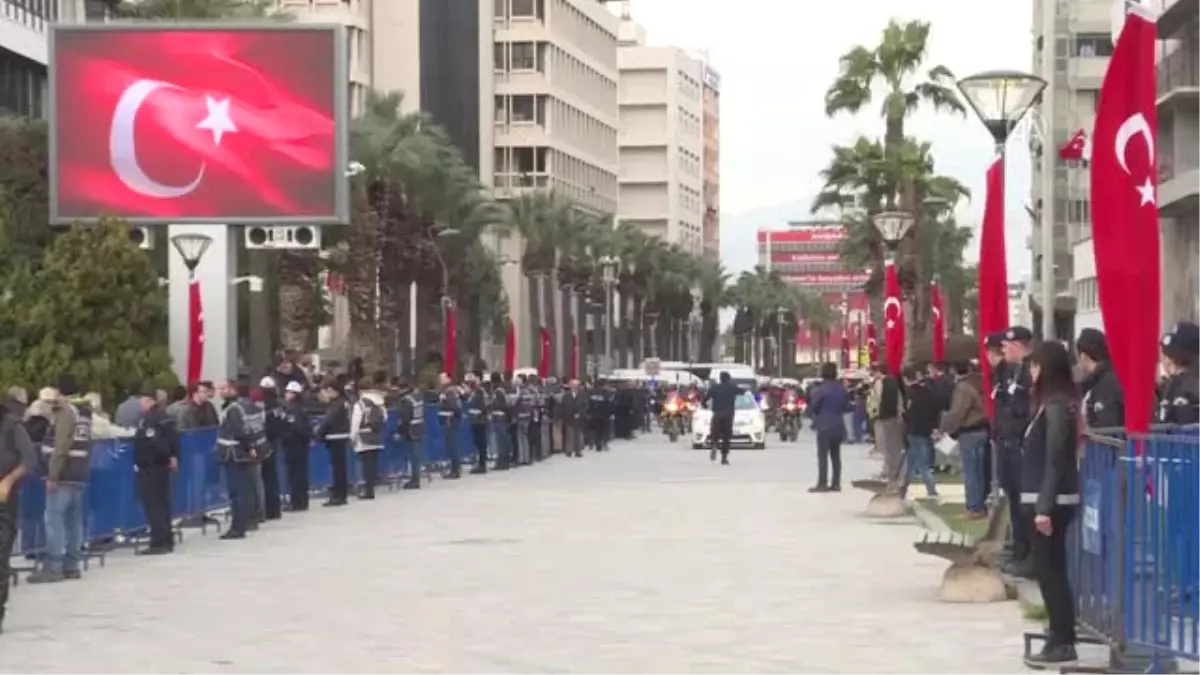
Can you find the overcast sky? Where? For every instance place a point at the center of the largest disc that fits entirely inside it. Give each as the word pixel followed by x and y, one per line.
pixel 776 59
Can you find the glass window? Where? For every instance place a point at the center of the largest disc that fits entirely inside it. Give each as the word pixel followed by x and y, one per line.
pixel 523 8
pixel 1088 45
pixel 500 109
pixel 501 9
pixel 498 50
pixel 523 109
pixel 524 56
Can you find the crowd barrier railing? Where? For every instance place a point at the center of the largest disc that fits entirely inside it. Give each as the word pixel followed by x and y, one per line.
pixel 113 507
pixel 1135 549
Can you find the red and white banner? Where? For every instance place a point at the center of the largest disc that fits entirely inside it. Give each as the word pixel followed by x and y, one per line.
pixel 829 279
pixel 803 234
pixel 780 258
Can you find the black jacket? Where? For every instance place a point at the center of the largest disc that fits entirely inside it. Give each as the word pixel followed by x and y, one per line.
pixel 1180 399
pixel 1011 410
pixel 336 425
pixel 890 399
pixel 722 398
pixel 1103 401
pixel 156 440
pixel 923 411
pixel 1049 457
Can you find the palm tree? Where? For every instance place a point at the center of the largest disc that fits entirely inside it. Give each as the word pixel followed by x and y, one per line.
pixel 713 283
pixel 895 62
pixel 765 303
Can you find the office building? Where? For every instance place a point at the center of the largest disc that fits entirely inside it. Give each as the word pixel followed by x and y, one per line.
pixel 24 48
pixel 711 227
pixel 662 140
pixel 1179 158
pixel 1071 53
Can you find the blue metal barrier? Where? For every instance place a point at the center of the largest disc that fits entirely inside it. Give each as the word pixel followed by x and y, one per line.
pixel 114 508
pixel 1136 548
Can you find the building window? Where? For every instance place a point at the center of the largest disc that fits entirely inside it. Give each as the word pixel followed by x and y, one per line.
pixel 523 8
pixel 524 56
pixel 498 53
pixel 22 85
pixel 1090 45
pixel 501 110
pixel 501 9
pixel 523 109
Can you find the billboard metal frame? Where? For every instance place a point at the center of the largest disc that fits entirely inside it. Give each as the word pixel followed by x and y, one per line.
pixel 341 120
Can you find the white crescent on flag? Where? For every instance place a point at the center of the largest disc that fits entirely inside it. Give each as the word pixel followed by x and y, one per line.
pixel 122 149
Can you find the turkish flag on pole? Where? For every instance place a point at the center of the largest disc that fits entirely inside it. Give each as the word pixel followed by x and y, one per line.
pixel 1125 232
pixel 939 322
pixel 893 318
pixel 573 367
pixel 1076 149
pixel 510 348
pixel 223 124
pixel 195 364
pixel 544 361
pixel 872 344
pixel 993 272
pixel 450 349
pixel 845 348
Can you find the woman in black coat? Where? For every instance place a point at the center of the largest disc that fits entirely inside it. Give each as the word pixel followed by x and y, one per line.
pixel 1050 492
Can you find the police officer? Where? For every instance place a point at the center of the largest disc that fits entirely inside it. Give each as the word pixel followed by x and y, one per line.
pixel 537 418
pixel 1103 402
pixel 334 430
pixel 524 412
pixel 1012 413
pixel 156 457
pixel 551 395
pixel 410 430
pixel 477 418
pixel 499 414
pixel 295 435
pixel 598 411
pixel 1179 402
pixel 449 415
pixel 573 411
pixel 241 437
pixel 272 507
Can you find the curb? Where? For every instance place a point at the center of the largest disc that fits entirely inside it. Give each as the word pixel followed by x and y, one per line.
pixel 929 519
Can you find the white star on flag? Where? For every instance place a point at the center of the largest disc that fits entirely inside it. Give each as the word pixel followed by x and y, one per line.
pixel 1147 192
pixel 891 324
pixel 218 121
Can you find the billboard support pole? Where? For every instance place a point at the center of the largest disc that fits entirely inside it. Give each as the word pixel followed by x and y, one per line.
pixel 215 271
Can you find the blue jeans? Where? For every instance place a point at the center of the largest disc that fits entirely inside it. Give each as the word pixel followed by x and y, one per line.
pixel 859 426
pixel 973 447
pixel 64 528
pixel 920 460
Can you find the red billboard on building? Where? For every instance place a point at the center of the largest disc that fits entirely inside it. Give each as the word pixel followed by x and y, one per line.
pixel 802 234
pixel 789 258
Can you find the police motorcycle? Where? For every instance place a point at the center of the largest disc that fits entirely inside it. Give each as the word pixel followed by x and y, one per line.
pixel 674 413
pixel 790 410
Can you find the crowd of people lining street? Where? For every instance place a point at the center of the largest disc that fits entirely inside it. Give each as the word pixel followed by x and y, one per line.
pixel 266 428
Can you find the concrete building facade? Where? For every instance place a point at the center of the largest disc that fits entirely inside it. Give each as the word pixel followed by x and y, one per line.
pixel 711 228
pixel 662 140
pixel 24 50
pixel 1071 52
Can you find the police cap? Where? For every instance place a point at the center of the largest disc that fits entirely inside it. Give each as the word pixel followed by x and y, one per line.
pixel 1092 344
pixel 1182 342
pixel 1018 334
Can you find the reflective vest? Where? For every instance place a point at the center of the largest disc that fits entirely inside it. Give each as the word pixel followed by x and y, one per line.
pixel 79 458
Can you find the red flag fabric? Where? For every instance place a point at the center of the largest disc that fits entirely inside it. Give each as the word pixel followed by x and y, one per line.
pixel 939 322
pixel 845 349
pixel 993 272
pixel 893 318
pixel 1125 232
pixel 574 365
pixel 450 349
pixel 872 344
pixel 510 348
pixel 195 363
pixel 544 361
pixel 1076 148
pixel 222 124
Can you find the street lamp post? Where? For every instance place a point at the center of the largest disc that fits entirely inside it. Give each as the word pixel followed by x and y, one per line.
pixel 1001 98
pixel 608 274
pixel 191 248
pixel 779 312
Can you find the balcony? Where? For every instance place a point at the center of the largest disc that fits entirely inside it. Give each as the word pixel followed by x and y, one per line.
pixel 1179 76
pixel 1175 14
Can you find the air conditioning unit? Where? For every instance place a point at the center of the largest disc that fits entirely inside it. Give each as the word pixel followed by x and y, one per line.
pixel 143 237
pixel 283 237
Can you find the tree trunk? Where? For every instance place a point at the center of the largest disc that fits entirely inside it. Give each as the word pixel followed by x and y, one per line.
pixel 535 320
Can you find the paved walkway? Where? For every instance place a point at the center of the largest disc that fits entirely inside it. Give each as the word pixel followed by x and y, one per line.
pixel 647 559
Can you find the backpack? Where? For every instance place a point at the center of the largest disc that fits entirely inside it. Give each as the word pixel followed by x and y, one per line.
pixel 374 418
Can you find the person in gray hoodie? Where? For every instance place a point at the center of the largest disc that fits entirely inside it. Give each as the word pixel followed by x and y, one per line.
pixel 368 420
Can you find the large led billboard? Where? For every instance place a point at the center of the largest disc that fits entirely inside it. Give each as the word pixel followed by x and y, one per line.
pixel 193 123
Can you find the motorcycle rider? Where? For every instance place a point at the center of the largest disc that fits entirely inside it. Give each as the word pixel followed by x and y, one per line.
pixel 410 430
pixel 477 418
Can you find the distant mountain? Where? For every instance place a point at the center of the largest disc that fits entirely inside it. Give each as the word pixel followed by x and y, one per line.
pixel 739 245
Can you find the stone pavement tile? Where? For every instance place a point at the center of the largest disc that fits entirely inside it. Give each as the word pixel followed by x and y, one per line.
pixel 647 559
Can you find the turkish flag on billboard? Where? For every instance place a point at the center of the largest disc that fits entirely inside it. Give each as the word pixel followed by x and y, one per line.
pixel 939 322
pixel 179 124
pixel 893 318
pixel 872 344
pixel 1125 215
pixel 993 273
pixel 195 362
pixel 510 348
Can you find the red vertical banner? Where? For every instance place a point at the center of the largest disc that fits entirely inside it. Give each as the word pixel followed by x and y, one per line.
pixel 893 319
pixel 939 321
pixel 993 273
pixel 544 360
pixel 510 348
pixel 450 348
pixel 195 362
pixel 1124 181
pixel 872 344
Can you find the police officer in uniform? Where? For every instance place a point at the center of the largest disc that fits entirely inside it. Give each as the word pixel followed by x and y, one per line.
pixel 477 418
pixel 410 430
pixel 334 430
pixel 241 437
pixel 449 414
pixel 536 419
pixel 573 411
pixel 1179 402
pixel 1011 416
pixel 295 436
pixel 524 415
pixel 551 395
pixel 1103 402
pixel 598 411
pixel 155 458
pixel 499 413
pixel 272 506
